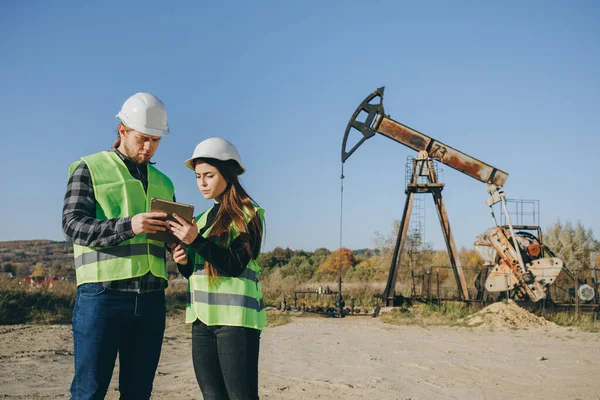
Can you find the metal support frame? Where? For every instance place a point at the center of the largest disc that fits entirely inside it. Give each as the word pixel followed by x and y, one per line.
pixel 423 166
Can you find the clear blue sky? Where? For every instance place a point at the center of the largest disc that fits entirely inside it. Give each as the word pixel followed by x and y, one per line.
pixel 513 83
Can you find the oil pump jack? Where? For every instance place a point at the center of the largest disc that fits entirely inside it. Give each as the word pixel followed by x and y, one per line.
pixel 518 261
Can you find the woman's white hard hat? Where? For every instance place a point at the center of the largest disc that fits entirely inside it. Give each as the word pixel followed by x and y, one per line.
pixel 216 148
pixel 145 113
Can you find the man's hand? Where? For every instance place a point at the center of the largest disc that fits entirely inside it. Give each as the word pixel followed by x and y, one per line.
pixel 183 230
pixel 179 253
pixel 149 222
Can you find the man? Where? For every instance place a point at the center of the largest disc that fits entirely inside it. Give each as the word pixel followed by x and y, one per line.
pixel 121 274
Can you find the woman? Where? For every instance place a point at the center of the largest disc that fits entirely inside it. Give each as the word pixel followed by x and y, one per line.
pixel 225 304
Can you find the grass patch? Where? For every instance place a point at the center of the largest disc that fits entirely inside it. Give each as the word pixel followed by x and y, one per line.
pixel 446 314
pixel 583 322
pixel 44 305
pixel 277 318
pixel 21 303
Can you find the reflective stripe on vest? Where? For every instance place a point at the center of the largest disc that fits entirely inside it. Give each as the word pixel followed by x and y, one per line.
pixel 246 273
pixel 232 301
pixel 225 299
pixel 109 253
pixel 118 194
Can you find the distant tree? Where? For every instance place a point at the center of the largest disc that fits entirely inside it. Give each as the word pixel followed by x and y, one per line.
pixel 319 256
pixel 361 252
pixel 23 270
pixel 266 261
pixel 470 258
pixel 440 258
pixel 471 263
pixel 366 270
pixel 322 251
pixel 276 258
pixel 9 267
pixel 296 259
pixel 387 242
pixel 572 244
pixel 302 253
pixel 342 257
pixel 299 268
pixel 38 270
pixel 306 270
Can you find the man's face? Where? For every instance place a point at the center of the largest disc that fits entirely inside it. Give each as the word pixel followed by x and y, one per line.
pixel 138 147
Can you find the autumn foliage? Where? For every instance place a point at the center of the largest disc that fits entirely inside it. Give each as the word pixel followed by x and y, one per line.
pixel 341 257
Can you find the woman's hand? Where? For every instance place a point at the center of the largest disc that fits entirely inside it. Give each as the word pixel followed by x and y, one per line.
pixel 179 253
pixel 183 230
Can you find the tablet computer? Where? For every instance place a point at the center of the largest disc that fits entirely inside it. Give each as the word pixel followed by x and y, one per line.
pixel 185 211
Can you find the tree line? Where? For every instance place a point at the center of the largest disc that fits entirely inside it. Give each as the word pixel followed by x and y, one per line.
pixel 573 243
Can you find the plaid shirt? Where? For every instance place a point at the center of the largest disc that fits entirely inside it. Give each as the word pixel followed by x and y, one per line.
pixel 81 227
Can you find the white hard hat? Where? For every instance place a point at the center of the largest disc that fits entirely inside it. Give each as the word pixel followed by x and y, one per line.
pixel 216 148
pixel 145 113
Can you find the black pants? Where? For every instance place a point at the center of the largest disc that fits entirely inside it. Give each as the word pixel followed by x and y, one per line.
pixel 226 361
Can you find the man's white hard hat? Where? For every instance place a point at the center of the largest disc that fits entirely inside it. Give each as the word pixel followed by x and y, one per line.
pixel 145 113
pixel 216 148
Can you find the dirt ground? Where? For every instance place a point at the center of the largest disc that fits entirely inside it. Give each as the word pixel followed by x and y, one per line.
pixel 363 358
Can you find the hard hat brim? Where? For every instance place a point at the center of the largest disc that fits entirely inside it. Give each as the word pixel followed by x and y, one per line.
pixel 190 164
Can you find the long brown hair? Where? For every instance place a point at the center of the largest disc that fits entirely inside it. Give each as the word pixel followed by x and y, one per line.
pixel 231 211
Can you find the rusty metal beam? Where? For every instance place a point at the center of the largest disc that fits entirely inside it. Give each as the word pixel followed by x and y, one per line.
pixel 377 122
pixel 440 152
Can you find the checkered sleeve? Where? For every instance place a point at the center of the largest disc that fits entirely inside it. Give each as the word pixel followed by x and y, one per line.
pixel 79 222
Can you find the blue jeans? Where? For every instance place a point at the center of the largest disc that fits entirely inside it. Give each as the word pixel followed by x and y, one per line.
pixel 226 361
pixel 107 322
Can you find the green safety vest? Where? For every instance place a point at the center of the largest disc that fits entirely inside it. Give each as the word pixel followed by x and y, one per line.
pixel 118 195
pixel 232 301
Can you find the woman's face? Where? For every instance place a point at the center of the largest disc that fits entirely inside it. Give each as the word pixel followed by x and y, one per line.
pixel 210 181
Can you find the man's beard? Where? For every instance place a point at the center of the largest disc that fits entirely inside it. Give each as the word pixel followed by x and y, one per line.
pixel 134 156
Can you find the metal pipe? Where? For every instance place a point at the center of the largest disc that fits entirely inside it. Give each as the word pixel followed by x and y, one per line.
pixel 438 285
pixel 512 233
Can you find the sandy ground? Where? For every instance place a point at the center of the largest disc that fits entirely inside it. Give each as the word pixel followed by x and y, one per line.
pixel 352 358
